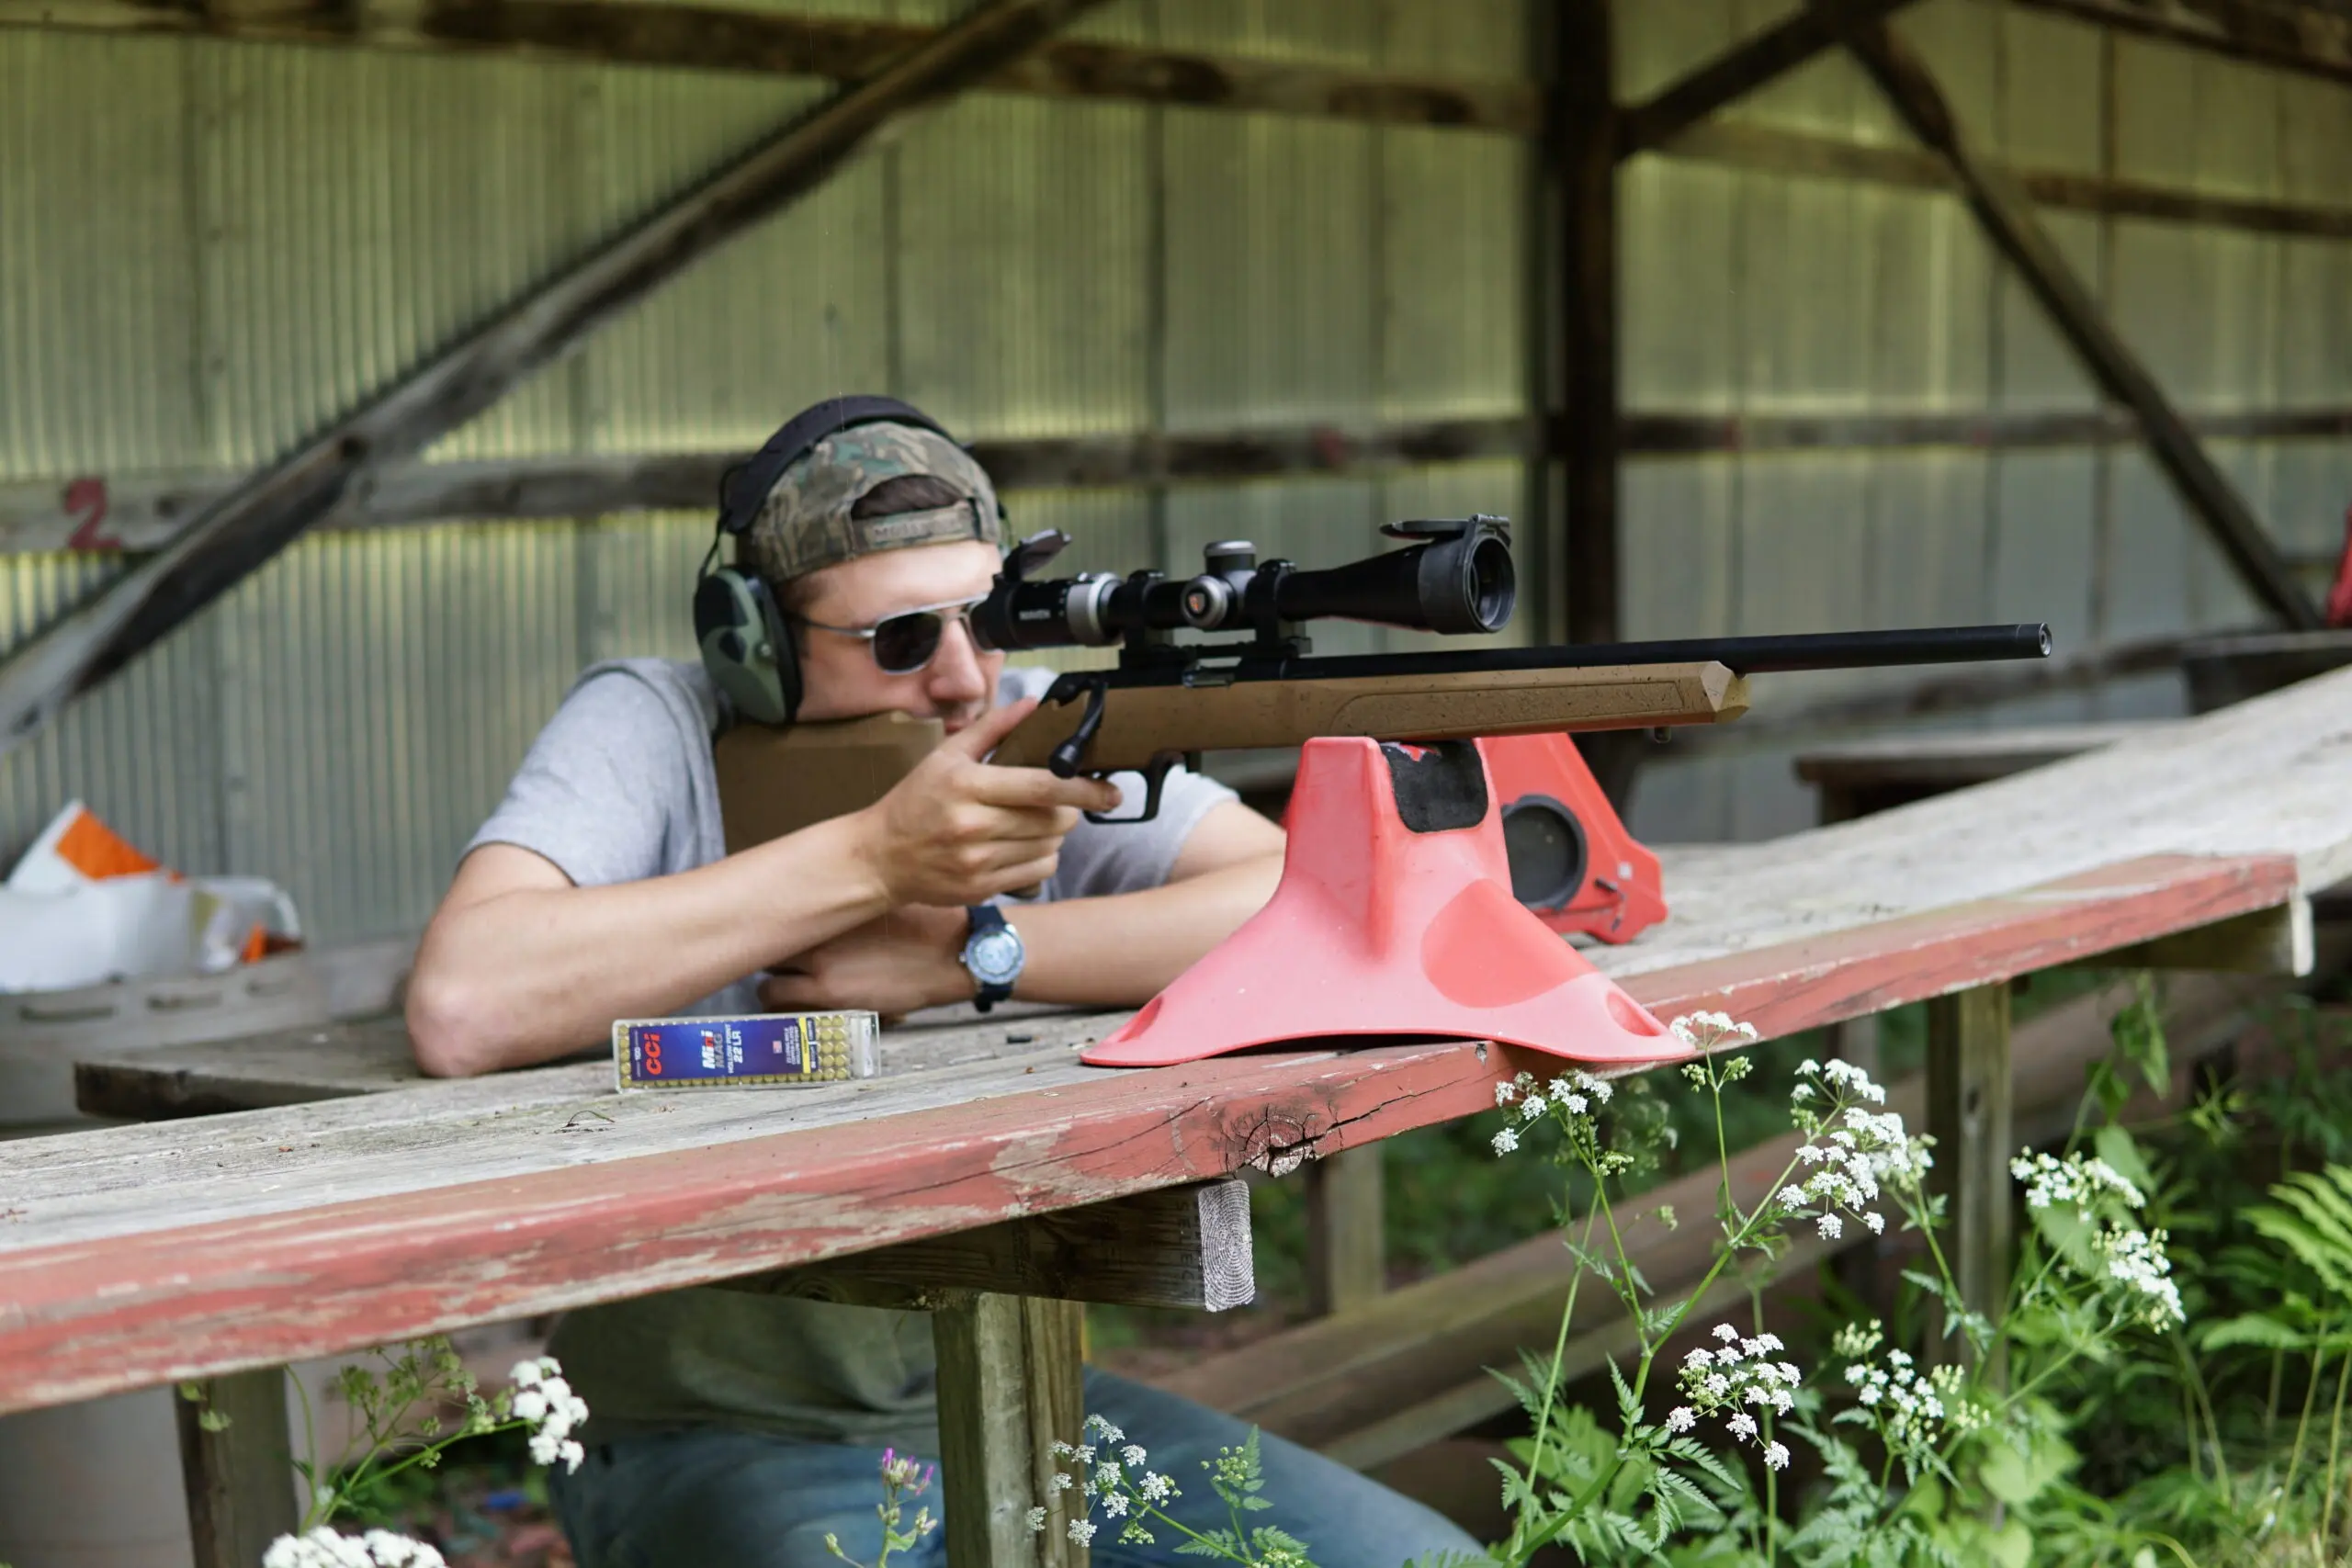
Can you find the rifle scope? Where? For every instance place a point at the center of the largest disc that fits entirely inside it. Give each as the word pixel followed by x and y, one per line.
pixel 1456 577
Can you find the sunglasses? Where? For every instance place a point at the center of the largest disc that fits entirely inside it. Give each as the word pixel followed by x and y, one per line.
pixel 904 643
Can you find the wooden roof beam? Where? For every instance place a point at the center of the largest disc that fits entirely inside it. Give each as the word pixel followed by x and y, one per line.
pixel 2307 39
pixel 718 38
pixel 1743 68
pixel 243 530
pixel 2008 220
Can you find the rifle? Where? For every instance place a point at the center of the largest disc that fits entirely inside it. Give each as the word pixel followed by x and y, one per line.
pixel 1166 702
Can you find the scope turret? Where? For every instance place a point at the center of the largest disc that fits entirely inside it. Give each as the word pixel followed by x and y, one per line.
pixel 1455 576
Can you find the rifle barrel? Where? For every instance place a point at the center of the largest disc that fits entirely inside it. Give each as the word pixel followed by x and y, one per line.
pixel 1742 655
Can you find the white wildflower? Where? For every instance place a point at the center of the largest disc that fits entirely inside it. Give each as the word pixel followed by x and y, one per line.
pixel 1700 1357
pixel 1036 1520
pixel 2137 1260
pixel 1531 1107
pixel 1506 1141
pixel 1134 1456
pixel 1776 1457
pixel 1742 1426
pixel 1575 1103
pixel 1876 1221
pixel 1114 1504
pixel 325 1548
pixel 1155 1487
pixel 1081 1530
pixel 1830 1226
pixel 1680 1419
pixel 1062 1482
pixel 1505 1094
pixel 2075 1180
pixel 1726 1332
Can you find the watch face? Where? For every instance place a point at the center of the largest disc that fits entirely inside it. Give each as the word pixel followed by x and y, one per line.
pixel 994 957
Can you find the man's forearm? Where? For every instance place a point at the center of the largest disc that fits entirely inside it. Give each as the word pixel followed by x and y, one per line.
pixel 532 973
pixel 1119 950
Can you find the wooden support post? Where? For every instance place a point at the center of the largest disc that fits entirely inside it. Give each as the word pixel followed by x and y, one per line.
pixel 1347 1246
pixel 240 1479
pixel 1010 1387
pixel 1969 1117
pixel 1584 152
pixel 2007 218
pixel 1583 140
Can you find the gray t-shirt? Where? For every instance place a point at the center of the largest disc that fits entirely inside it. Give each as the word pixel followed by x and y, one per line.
pixel 621 786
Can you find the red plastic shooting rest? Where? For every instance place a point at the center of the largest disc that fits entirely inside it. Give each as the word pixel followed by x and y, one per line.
pixel 1395 918
pixel 1572 861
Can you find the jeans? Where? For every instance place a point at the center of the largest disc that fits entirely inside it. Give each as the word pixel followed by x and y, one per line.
pixel 721 1497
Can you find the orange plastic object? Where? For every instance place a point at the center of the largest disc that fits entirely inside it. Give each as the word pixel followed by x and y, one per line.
pixel 1395 918
pixel 1572 861
pixel 96 850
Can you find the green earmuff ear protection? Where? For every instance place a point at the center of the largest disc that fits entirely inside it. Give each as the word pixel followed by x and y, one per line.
pixel 746 644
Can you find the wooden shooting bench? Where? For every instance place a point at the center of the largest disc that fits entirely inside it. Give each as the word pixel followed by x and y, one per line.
pixel 985 1175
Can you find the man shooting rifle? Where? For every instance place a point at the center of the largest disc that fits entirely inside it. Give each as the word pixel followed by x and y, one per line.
pixel 737 1429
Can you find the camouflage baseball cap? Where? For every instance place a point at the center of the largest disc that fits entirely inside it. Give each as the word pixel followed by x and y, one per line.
pixel 806 522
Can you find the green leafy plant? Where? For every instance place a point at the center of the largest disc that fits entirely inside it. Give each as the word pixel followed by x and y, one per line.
pixel 401 1434
pixel 904 1478
pixel 1111 1475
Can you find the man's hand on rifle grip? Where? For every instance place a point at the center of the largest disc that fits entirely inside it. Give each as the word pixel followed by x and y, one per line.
pixel 959 831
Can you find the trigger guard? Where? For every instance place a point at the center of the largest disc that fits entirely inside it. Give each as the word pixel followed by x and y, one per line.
pixel 1154 775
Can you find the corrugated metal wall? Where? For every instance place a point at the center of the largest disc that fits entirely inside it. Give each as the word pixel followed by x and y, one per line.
pixel 1760 294
pixel 207 249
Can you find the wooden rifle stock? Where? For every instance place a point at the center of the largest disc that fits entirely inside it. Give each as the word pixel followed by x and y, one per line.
pixel 1141 724
pixel 778 781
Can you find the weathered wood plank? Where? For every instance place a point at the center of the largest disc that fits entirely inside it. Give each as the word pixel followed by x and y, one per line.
pixel 1969 1115
pixel 1859 777
pixel 1347 1242
pixel 245 529
pixel 712 37
pixel 1009 1388
pixel 1743 68
pixel 1664 433
pixel 1858 970
pixel 145 511
pixel 2275 941
pixel 373 1057
pixel 2003 213
pixel 135 511
pixel 1177 1247
pixel 239 1478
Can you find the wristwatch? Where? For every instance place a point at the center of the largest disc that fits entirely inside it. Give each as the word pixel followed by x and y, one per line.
pixel 992 955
